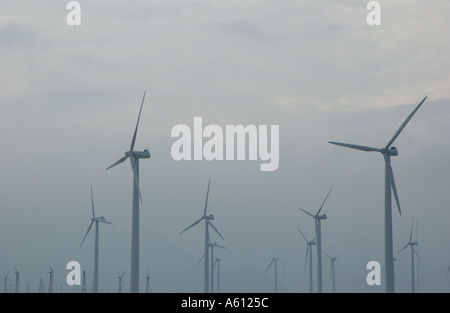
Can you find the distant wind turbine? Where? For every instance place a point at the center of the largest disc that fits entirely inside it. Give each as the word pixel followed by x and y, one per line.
pixel 83 283
pixel 17 274
pixel 134 160
pixel 309 244
pixel 212 245
pixel 97 220
pixel 389 187
pixel 50 280
pixel 120 282
pixel 274 261
pixel 207 219
pixel 317 219
pixel 147 287
pixel 333 269
pixel 5 287
pixel 413 251
pixel 218 273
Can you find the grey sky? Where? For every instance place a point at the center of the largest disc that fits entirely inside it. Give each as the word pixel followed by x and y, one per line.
pixel 69 99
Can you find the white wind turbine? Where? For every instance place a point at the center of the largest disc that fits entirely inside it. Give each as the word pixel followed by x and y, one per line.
pixel 309 244
pixel 17 274
pixel 97 220
pixel 333 269
pixel 413 251
pixel 5 287
pixel 120 283
pixel 218 273
pixel 317 219
pixel 207 219
pixel 274 261
pixel 134 160
pixel 212 245
pixel 389 187
pixel 50 280
pixel 147 286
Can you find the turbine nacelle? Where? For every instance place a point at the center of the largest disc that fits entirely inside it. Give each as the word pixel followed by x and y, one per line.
pixel 392 151
pixel 321 217
pixel 138 154
pixel 208 217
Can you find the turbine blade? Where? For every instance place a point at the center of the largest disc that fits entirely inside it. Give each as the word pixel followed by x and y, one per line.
pixel 269 265
pixel 302 235
pixel 399 130
pixel 89 228
pixel 207 195
pixel 412 225
pixel 326 254
pixel 307 251
pixel 323 202
pixel 199 261
pixel 137 124
pixel 117 162
pixel 392 182
pixel 191 225
pixel 415 252
pixel 92 202
pixel 105 221
pixel 219 246
pixel 403 248
pixel 307 213
pixel 212 225
pixel 135 175
pixel 357 147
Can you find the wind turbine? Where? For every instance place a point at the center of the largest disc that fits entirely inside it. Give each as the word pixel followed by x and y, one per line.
pixel 208 219
pixel 389 184
pixel 317 218
pixel 218 273
pixel 134 160
pixel 95 220
pixel 274 261
pixel 309 244
pixel 50 280
pixel 333 269
pixel 212 245
pixel 17 273
pixel 5 287
pixel 147 287
pixel 120 282
pixel 83 283
pixel 413 251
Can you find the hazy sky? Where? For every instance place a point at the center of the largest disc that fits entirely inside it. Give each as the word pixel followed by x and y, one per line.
pixel 69 99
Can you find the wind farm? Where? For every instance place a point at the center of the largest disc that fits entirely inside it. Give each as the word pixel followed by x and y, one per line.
pixel 171 111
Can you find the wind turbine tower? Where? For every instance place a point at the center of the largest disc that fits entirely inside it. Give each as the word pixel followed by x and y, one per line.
pixel 275 262
pixel 147 287
pixel 317 221
pixel 309 244
pixel 17 274
pixel 95 220
pixel 413 251
pixel 389 187
pixel 134 160
pixel 50 281
pixel 208 222
pixel 212 245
